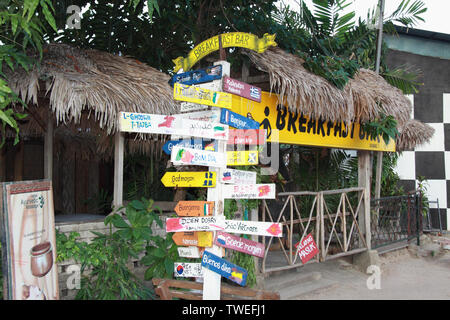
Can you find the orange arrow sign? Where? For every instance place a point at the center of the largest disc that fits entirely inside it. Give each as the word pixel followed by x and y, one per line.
pixel 196 238
pixel 194 208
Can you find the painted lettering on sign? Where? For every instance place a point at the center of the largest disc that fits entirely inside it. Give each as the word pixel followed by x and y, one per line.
pixel 188 270
pixel 295 128
pixel 187 156
pixel 201 96
pixel 209 223
pixel 232 39
pixel 225 268
pixel 242 158
pixel 307 248
pixel 198 76
pixel 237 121
pixel 247 137
pixel 249 191
pixel 261 228
pixel 247 246
pixel 189 252
pixel 232 176
pixel 241 89
pixel 194 208
pixel 193 238
pixel 189 179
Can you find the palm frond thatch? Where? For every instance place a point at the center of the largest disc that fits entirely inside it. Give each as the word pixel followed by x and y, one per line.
pixel 413 133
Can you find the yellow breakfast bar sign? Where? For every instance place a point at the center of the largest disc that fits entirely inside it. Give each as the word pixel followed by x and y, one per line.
pixel 295 128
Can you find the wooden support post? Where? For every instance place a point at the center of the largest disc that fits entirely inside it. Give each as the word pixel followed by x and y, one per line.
pixel 119 141
pixel 364 182
pixel 211 279
pixel 48 148
pixel 18 161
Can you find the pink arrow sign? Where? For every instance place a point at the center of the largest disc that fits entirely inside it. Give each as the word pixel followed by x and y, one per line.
pixel 233 242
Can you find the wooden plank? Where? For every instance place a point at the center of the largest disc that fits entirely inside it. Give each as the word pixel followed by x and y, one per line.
pixel 186 224
pixel 48 148
pixel 193 238
pixel 119 149
pixel 241 89
pixel 194 157
pixel 194 208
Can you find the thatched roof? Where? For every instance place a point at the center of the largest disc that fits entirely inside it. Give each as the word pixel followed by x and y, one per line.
pixel 412 134
pixel 88 88
pixel 363 99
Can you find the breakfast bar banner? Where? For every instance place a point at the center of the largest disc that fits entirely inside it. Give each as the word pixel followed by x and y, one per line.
pixel 28 241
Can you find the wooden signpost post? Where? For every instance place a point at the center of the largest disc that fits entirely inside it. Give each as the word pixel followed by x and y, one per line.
pixel 193 238
pixel 195 179
pixel 194 208
pixel 249 191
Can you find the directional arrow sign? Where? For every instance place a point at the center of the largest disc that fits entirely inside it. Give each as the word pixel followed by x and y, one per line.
pixel 247 137
pixel 241 89
pixel 194 179
pixel 197 238
pixel 260 228
pixel 210 223
pixel 188 143
pixel 194 208
pixel 242 158
pixel 193 157
pixel 204 129
pixel 198 76
pixel 189 106
pixel 149 123
pixel 232 176
pixel 237 121
pixel 202 96
pixel 207 115
pixel 188 270
pixel 240 244
pixel 189 252
pixel 224 268
pixel 249 191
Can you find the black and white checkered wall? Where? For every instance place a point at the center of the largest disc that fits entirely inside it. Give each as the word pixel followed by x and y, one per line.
pixel 431 160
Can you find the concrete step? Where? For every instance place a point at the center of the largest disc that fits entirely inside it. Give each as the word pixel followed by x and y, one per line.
pixel 307 288
pixel 290 279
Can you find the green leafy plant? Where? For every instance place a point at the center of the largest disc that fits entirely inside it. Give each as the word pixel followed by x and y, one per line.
pixel 160 258
pixel 422 187
pixel 108 255
pixel 386 126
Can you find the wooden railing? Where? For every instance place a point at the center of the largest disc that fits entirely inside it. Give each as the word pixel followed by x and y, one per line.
pixel 329 216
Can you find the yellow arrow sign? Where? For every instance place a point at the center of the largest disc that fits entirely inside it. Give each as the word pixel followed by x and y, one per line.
pixel 199 95
pixel 189 179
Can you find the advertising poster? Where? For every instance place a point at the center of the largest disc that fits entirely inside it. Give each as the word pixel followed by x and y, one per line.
pixel 28 241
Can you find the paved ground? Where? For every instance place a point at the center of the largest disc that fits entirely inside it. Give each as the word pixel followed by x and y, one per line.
pixel 417 273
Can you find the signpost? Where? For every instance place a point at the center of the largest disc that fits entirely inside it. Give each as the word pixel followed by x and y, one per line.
pixel 241 89
pixel 237 121
pixel 242 158
pixel 187 156
pixel 197 76
pixel 240 244
pixel 247 137
pixel 204 129
pixel 225 268
pixel 194 208
pixel 249 191
pixel 307 248
pixel 195 179
pixel 201 96
pixel 209 223
pixel 188 270
pixel 149 123
pixel 233 176
pixel 196 238
pixel 205 115
pixel 189 107
pixel 187 143
pixel 260 228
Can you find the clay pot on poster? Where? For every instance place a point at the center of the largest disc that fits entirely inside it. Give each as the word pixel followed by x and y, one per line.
pixel 41 259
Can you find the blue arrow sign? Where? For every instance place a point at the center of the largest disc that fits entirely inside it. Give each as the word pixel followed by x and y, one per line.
pixel 237 121
pixel 190 143
pixel 198 76
pixel 224 268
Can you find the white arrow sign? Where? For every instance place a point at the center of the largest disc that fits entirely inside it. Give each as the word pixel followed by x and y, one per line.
pixel 195 157
pixel 183 224
pixel 249 191
pixel 233 176
pixel 188 270
pixel 261 228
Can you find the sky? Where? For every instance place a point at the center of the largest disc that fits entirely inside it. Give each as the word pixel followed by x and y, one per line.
pixel 437 16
